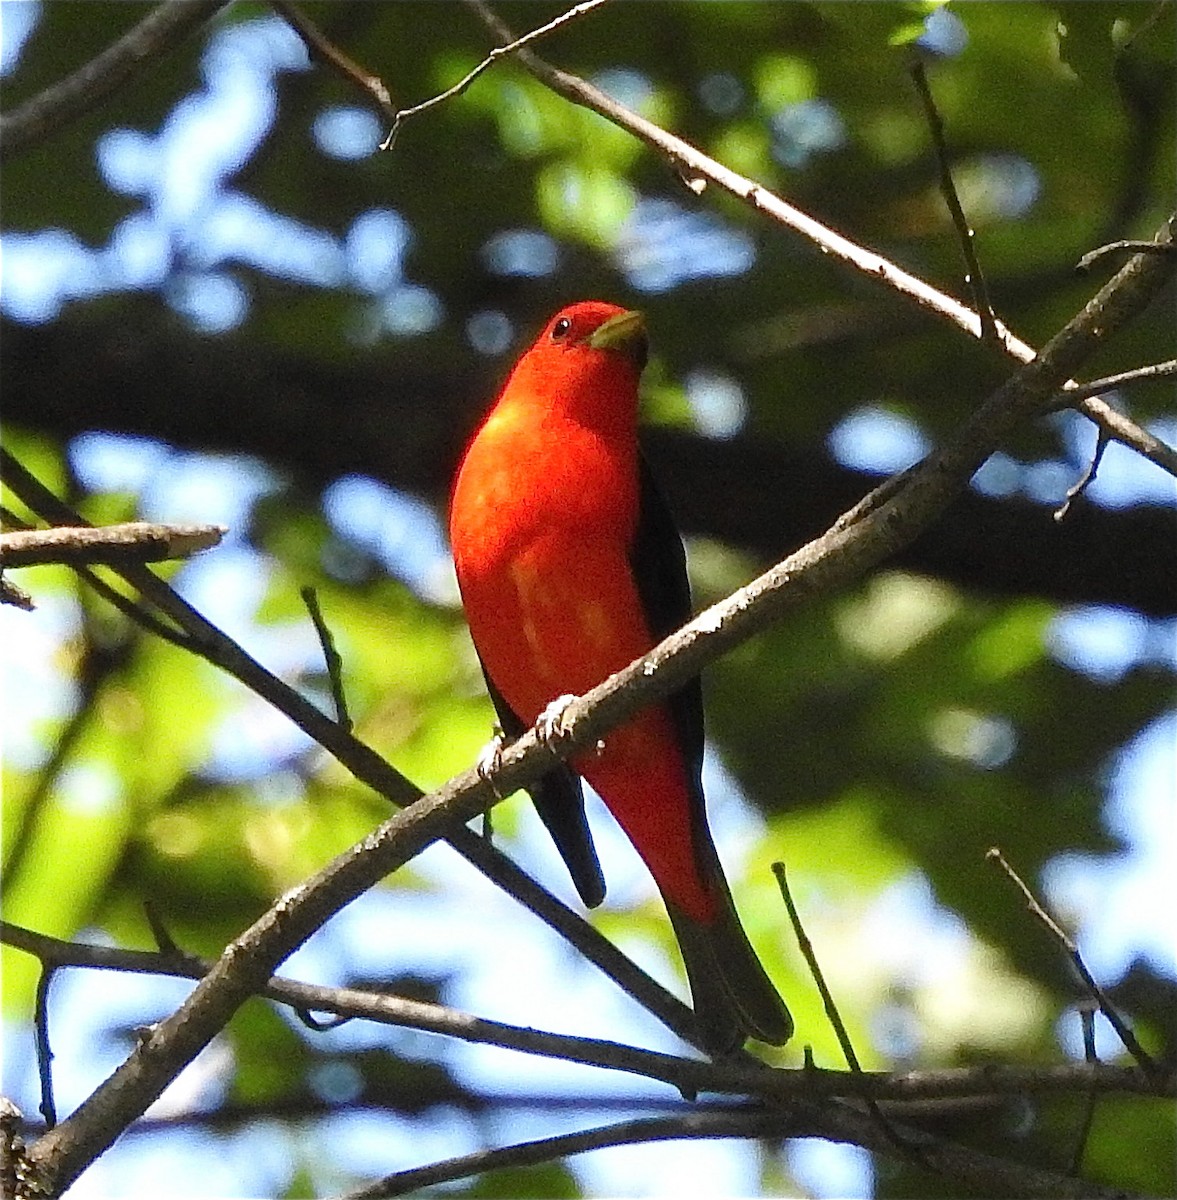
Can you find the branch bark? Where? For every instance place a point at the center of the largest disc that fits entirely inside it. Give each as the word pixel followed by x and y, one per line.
pixel 133 541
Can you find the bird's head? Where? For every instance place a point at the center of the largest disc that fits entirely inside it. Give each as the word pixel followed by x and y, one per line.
pixel 586 362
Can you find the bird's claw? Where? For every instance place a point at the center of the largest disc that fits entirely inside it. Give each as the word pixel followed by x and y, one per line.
pixel 549 725
pixel 490 758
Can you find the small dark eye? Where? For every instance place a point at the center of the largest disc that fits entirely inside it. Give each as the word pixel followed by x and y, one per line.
pixel 561 329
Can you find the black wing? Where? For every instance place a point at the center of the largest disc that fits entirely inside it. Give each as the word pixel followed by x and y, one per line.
pixel 559 799
pixel 659 564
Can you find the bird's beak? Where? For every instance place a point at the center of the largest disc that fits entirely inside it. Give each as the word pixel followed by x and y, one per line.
pixel 626 333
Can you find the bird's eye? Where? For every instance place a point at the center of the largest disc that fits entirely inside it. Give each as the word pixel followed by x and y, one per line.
pixel 561 329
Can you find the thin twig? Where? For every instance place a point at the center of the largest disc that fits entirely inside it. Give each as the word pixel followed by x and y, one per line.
pixel 1081 485
pixel 321 47
pixel 331 657
pixel 10 593
pixel 1121 428
pixel 498 52
pixel 44 1051
pixel 1096 387
pixel 974 277
pixel 1124 246
pixel 1087 1017
pixel 741 1123
pixel 975 1171
pixel 65 101
pixel 169 949
pixel 831 1008
pixel 806 947
pixel 1143 1058
pixel 131 541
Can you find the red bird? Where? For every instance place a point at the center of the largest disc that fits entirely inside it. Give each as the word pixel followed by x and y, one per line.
pixel 570 567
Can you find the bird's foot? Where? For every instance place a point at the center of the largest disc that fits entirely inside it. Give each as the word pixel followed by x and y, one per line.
pixel 489 759
pixel 549 724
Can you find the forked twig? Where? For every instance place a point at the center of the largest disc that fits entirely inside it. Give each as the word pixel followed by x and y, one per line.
pixel 498 52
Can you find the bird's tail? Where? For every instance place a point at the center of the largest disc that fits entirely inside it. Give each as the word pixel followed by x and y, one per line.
pixel 732 995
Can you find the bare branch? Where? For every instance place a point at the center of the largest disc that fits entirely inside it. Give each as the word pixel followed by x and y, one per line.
pixel 16 596
pixel 330 655
pixel 57 106
pixel 979 1172
pixel 44 1052
pixel 1126 246
pixel 1096 387
pixel 683 1074
pixel 321 47
pixel 827 999
pixel 1084 480
pixel 133 541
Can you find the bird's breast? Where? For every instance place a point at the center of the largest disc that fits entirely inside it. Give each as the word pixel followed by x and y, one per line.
pixel 542 530
pixel 533 492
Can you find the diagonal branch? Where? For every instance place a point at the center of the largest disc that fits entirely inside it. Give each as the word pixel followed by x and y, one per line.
pixel 321 47
pixel 70 98
pixel 828 563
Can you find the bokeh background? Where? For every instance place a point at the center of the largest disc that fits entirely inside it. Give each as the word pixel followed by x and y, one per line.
pixel 220 302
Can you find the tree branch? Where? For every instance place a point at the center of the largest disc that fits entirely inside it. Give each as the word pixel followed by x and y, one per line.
pixel 498 52
pixel 1096 387
pixel 321 47
pixel 686 1075
pixel 1126 1036
pixel 974 276
pixel 70 98
pixel 982 1173
pixel 133 541
pixel 830 562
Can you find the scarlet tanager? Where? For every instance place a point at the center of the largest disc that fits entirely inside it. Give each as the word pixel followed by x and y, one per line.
pixel 570 567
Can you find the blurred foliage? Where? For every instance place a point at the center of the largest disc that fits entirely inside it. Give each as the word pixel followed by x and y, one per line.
pixel 890 734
